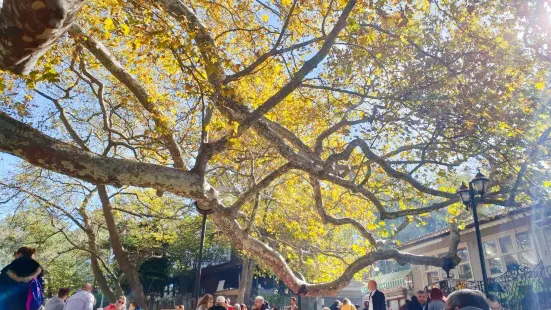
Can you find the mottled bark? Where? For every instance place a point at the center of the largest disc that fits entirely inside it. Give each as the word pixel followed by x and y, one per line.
pixel 120 254
pixel 28 28
pixel 23 141
pixel 269 256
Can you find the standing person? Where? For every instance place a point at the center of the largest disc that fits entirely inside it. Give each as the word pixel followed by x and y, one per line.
pixel 243 307
pixel 220 304
pixel 260 304
pixel 205 303
pixel 347 305
pixel 467 299
pixel 335 305
pixel 81 300
pixel 21 282
pixel 58 303
pixel 405 306
pixel 119 305
pixel 420 301
pixel 293 305
pixel 437 299
pixel 376 299
pixel 179 307
pixel 135 306
pixel 237 307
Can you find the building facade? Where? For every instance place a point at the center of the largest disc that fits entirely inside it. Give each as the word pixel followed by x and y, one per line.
pixel 513 241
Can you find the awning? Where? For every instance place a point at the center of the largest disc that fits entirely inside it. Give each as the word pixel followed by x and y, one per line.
pixel 393 279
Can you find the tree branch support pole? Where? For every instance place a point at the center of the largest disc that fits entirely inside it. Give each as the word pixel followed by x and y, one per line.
pixel 478 238
pixel 197 290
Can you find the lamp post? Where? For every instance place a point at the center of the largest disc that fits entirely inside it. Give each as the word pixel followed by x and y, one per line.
pixel 203 212
pixel 471 196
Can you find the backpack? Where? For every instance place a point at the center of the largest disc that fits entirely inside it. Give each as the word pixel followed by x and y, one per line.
pixel 34 295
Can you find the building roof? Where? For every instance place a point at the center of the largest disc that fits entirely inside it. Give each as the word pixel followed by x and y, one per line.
pixel 233 264
pixel 446 231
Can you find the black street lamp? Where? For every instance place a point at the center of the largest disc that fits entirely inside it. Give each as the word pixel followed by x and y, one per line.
pixel 471 196
pixel 204 212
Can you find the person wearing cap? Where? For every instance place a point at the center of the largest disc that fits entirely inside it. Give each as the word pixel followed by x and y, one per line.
pixel 220 304
pixel 467 300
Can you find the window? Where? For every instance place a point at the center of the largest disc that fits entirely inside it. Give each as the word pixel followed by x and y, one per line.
pixel 461 271
pixel 509 251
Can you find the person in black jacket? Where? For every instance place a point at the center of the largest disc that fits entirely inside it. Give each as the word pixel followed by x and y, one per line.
pixel 15 278
pixel 420 301
pixel 376 299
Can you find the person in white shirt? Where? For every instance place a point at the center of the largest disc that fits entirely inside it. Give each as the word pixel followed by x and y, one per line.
pixel 82 300
pixel 376 299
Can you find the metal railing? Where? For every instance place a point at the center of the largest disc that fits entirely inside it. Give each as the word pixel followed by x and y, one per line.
pixel 520 288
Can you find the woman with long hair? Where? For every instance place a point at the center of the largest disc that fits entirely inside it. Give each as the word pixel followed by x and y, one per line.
pixel 206 302
pixel 437 301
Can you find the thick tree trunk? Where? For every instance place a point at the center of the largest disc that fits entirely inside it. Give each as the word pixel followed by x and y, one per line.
pixel 120 254
pixel 102 281
pixel 93 248
pixel 28 28
pixel 246 281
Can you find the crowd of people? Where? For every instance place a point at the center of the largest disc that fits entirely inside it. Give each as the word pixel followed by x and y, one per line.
pixel 423 300
pixel 208 302
pixel 461 299
pixel 21 288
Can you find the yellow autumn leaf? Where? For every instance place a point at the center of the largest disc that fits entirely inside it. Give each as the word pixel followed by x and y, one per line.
pixel 540 85
pixel 125 29
pixel 265 18
pixel 108 25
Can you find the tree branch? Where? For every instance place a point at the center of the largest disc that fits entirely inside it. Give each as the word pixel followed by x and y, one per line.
pixel 306 68
pixel 23 141
pixel 261 185
pixel 243 241
pixel 318 203
pixel 115 67
pixel 386 167
pixel 533 153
